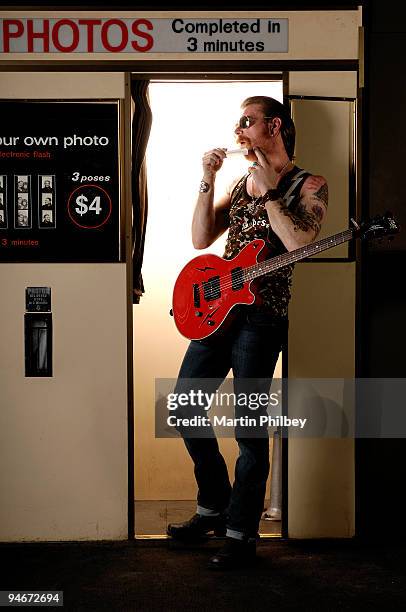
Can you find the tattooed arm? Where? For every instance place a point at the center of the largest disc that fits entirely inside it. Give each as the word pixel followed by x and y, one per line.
pixel 295 229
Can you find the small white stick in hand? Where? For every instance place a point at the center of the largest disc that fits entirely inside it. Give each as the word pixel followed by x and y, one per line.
pixel 231 152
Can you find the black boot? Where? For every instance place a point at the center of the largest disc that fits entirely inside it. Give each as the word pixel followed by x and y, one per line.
pixel 234 554
pixel 197 528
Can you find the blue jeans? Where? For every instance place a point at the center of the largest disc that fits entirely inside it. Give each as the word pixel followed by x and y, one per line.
pixel 250 346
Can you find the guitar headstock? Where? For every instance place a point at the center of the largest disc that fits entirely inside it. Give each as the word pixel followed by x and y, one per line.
pixel 378 227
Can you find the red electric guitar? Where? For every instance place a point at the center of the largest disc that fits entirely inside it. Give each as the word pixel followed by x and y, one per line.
pixel 209 287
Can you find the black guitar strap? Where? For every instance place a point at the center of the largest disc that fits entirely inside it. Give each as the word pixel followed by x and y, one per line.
pixel 294 184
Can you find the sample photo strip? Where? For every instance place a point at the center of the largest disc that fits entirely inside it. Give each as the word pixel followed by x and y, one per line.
pixel 22 201
pixel 3 201
pixel 46 201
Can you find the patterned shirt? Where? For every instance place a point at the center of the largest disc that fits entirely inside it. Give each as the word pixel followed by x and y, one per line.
pixel 249 221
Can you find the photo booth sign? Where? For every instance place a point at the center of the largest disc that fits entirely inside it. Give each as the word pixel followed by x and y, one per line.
pixel 143 35
pixel 59 182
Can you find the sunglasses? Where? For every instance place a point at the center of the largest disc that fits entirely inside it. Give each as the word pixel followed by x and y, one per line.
pixel 245 121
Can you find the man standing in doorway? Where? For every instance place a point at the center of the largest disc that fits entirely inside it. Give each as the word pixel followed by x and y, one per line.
pixel 278 202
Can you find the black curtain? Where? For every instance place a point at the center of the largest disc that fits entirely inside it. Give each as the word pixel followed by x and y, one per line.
pixel 141 128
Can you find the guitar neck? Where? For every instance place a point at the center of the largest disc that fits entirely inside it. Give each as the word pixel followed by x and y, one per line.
pixel 270 265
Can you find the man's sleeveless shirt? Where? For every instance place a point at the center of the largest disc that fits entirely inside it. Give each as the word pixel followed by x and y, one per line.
pixel 249 221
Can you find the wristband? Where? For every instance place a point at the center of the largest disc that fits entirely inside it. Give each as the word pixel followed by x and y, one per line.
pixel 272 195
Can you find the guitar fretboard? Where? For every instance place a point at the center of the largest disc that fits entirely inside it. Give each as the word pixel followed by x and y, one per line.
pixel 270 265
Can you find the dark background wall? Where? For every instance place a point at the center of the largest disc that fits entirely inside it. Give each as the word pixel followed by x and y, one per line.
pixel 379 463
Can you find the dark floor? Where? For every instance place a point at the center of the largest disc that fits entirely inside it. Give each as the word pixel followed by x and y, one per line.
pixel 155 576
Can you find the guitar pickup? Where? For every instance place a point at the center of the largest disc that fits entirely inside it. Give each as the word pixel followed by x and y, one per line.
pixel 211 289
pixel 237 279
pixel 196 295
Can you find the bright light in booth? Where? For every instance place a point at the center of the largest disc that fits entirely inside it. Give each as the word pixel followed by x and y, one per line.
pixel 188 119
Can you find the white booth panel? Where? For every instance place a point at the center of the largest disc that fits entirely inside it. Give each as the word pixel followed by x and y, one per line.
pixel 63 439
